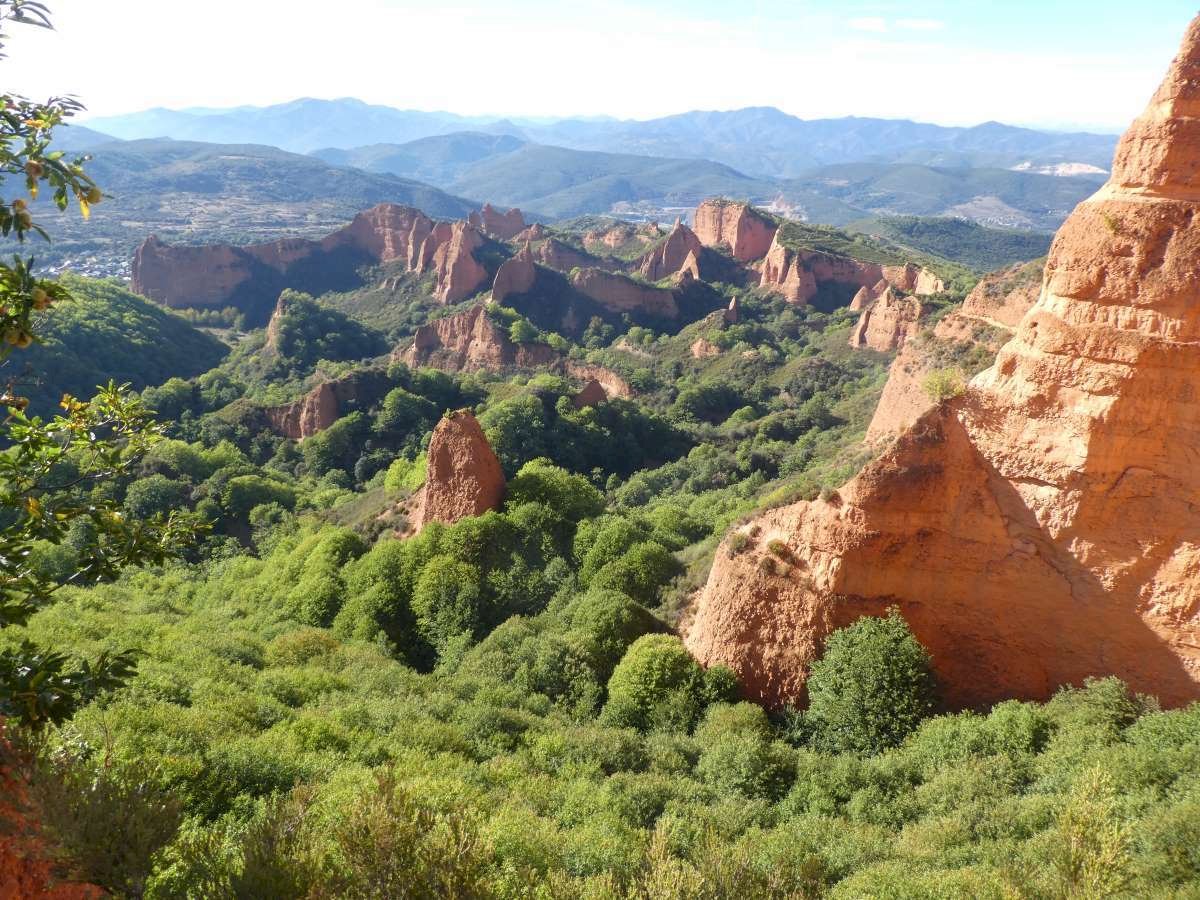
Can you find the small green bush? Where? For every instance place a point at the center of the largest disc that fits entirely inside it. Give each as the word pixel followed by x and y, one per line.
pixel 872 687
pixel 941 385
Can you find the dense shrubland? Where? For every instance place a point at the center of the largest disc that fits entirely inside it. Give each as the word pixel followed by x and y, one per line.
pixel 500 707
pixel 305 705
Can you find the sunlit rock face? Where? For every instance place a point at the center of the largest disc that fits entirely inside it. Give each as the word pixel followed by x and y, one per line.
pixel 1044 526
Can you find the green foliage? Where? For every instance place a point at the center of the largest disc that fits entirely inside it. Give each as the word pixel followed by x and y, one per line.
pixel 336 447
pixel 305 332
pixel 402 413
pixel 105 333
pixel 966 242
pixel 405 474
pixel 943 384
pixel 871 688
pixel 657 684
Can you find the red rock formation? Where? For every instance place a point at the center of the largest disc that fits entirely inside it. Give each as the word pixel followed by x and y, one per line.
pixel 501 226
pixel 703 348
pixel 679 251
pixel 1041 528
pixel 614 385
pixel 887 323
pixel 471 342
pixel 983 324
pixel 209 277
pixel 732 312
pixel 27 859
pixel 913 279
pixel 612 238
pixel 592 394
pixel 515 276
pixel 459 273
pixel 797 273
pixel 690 271
pixel 554 254
pixel 315 411
pixel 1003 298
pixel 464 476
pixel 535 232
pixel 864 298
pixel 437 236
pixel 740 228
pixel 620 294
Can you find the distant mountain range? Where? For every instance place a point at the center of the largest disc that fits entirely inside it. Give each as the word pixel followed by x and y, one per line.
pixel 760 141
pixel 303 168
pixel 559 182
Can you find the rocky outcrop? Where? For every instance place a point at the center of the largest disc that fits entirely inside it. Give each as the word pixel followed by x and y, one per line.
pixel 315 411
pixel 535 232
pixel 977 329
pixel 554 254
pixel 738 227
pixel 703 348
pixel 620 235
pixel 1042 527
pixel 422 256
pixel 325 404
pixel 592 394
pixel 222 275
pixel 797 273
pixel 614 385
pixel 690 270
pixel 515 276
pixel 887 323
pixel 1003 298
pixel 459 273
pixel 864 298
pixel 501 226
pixel 680 251
pixel 733 312
pixel 471 342
pixel 913 279
pixel 620 294
pixel 464 476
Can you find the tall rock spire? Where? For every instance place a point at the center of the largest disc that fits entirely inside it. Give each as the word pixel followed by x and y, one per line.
pixel 1045 526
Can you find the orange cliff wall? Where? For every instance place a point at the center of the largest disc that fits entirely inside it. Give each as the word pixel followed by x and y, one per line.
pixel 1043 527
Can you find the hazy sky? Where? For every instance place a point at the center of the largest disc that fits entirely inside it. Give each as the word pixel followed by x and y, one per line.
pixel 1054 63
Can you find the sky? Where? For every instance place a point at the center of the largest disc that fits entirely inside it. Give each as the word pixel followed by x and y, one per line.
pixel 1045 63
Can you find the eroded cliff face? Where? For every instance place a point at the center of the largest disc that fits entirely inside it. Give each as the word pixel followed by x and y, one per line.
pixel 887 323
pixel 618 293
pixel 250 277
pixel 1041 528
pixel 515 276
pixel 181 276
pixel 325 404
pixel 472 342
pixel 459 273
pixel 464 476
pixel 612 383
pixel 980 327
pixel 796 274
pixel 501 226
pixel 679 252
pixel 738 227
pixel 913 279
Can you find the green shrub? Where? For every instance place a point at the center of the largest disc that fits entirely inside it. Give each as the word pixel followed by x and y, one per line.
pixel 447 600
pixel 941 385
pixel 656 685
pixel 405 474
pixel 871 688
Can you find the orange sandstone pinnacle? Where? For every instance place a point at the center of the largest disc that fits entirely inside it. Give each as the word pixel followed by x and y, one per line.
pixel 464 476
pixel 1045 526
